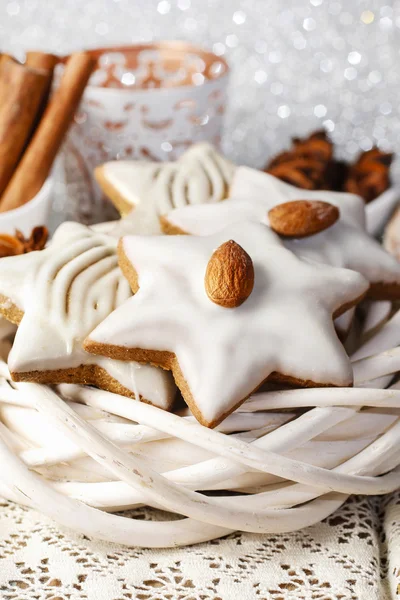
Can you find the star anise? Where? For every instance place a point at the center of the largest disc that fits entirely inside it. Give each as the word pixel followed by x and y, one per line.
pixel 311 165
pixel 369 176
pixel 11 245
pixel 306 164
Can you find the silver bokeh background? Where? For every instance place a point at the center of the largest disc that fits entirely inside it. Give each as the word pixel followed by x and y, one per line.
pixel 296 64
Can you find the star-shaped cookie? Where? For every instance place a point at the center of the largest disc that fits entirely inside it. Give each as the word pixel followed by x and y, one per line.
pixel 345 244
pixel 57 296
pixel 200 175
pixel 184 315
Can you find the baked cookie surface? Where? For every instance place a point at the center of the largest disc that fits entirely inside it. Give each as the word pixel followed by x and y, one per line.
pixel 57 296
pixel 282 330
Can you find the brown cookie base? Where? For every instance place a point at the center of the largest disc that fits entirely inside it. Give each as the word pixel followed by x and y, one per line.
pixel 121 204
pixel 82 375
pixel 10 311
pixel 167 360
pixel 126 267
pixel 169 228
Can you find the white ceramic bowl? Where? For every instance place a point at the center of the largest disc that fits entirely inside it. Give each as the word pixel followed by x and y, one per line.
pixel 35 212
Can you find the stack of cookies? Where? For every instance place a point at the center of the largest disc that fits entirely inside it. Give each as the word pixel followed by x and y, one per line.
pixel 257 282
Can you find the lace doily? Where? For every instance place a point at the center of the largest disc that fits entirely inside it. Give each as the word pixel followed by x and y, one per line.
pixel 352 555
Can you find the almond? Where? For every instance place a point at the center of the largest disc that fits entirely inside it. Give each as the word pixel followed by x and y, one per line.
pixel 301 218
pixel 229 278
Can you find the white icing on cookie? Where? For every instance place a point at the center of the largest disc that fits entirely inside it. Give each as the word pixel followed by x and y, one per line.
pixel 65 291
pixel 224 354
pixel 200 176
pixel 250 183
pixel 346 244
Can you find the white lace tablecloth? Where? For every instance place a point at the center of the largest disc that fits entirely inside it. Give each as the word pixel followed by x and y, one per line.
pixel 353 555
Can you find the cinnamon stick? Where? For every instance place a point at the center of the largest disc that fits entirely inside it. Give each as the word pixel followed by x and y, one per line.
pixel 22 90
pixel 5 57
pixel 37 161
pixel 42 60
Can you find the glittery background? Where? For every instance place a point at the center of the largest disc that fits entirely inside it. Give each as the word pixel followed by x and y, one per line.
pixel 296 64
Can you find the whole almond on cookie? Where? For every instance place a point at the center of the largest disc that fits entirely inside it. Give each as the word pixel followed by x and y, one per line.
pixel 301 218
pixel 229 278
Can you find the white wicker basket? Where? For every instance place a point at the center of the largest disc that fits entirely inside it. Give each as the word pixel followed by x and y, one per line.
pixel 79 454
